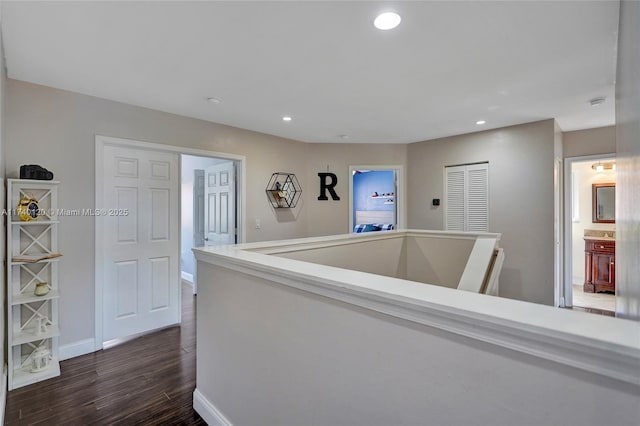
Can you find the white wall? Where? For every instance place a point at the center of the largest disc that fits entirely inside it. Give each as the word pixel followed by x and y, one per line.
pixel 188 164
pixel 275 355
pixel 628 152
pixel 586 177
pixel 521 198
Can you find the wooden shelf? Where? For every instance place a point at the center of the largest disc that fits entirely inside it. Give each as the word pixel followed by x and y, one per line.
pixel 45 260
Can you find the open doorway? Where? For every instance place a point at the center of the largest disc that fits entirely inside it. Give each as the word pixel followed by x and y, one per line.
pixel 590 236
pixel 137 253
pixel 375 198
pixel 208 208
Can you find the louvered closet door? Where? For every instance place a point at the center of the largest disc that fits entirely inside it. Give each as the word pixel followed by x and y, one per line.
pixel 455 198
pixel 477 196
pixel 467 198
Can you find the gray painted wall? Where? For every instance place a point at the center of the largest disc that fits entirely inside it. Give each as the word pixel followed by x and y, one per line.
pixel 57 128
pixel 521 204
pixel 326 217
pixel 601 140
pixel 628 163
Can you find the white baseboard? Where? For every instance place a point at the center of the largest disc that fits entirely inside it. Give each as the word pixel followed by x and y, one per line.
pixel 208 411
pixel 3 394
pixel 81 347
pixel 187 277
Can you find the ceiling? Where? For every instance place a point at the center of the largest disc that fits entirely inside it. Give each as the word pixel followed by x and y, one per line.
pixel 446 66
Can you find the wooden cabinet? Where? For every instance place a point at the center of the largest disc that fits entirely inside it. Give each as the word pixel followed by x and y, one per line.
pixel 600 266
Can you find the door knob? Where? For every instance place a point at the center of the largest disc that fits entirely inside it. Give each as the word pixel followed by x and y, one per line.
pixel 206 238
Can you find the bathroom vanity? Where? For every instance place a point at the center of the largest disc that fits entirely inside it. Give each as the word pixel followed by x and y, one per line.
pixel 600 264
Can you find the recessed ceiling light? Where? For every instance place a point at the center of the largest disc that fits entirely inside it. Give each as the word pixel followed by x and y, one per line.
pixel 597 101
pixel 214 100
pixel 481 122
pixel 286 118
pixel 387 21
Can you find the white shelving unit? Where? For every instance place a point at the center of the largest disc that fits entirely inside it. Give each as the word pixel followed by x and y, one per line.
pixel 32 321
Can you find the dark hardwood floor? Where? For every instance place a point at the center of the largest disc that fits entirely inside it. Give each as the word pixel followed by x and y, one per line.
pixel 147 381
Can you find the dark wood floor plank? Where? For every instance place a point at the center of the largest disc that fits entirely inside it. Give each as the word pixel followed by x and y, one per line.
pixel 146 381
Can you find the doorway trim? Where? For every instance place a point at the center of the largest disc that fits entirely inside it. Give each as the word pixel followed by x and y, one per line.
pixel 401 210
pixel 100 143
pixel 565 289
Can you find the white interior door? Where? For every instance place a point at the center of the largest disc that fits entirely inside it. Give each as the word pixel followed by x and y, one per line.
pixel 198 208
pixel 141 279
pixel 219 206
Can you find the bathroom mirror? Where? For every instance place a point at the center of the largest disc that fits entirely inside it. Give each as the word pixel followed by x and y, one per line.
pixel 604 202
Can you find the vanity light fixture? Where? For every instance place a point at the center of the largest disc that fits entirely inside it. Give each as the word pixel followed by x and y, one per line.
pixel 480 122
pixel 286 118
pixel 387 21
pixel 600 166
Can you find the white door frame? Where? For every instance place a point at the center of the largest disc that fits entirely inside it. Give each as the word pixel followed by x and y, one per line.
pixel 564 289
pixel 401 206
pixel 101 142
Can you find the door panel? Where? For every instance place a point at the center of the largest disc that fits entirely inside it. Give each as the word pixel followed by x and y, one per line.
pixel 220 205
pixel 127 199
pixel 224 212
pixel 198 208
pixel 141 249
pixel 126 288
pixel 160 290
pixel 160 216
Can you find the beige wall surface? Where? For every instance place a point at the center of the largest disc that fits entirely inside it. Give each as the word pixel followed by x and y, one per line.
pixel 325 217
pixel 628 163
pixel 601 140
pixel 57 129
pixel 521 205
pixel 439 261
pixel 381 257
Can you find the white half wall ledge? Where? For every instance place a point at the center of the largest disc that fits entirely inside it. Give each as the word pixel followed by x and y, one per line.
pixel 208 411
pixel 598 344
